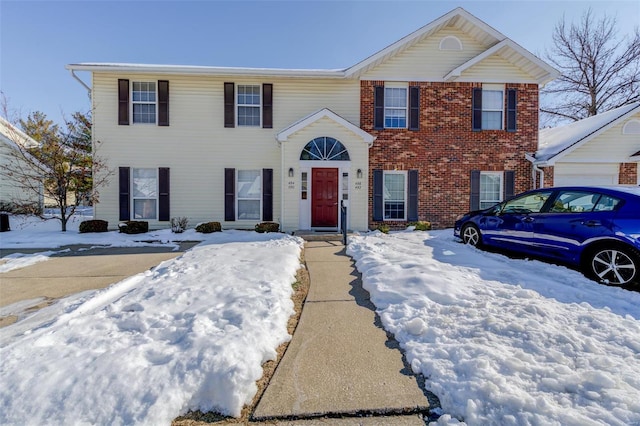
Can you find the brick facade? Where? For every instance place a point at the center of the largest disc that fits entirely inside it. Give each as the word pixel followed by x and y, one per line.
pixel 445 149
pixel 628 174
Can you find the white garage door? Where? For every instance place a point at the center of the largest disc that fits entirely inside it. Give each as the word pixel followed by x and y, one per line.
pixel 586 174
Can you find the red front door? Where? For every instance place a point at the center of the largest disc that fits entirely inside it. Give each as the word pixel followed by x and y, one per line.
pixel 324 199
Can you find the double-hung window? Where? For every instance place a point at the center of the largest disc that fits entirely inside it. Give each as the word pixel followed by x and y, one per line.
pixel 394 195
pixel 144 102
pixel 145 193
pixel 490 189
pixel 395 107
pixel 249 194
pixel 492 107
pixel 248 102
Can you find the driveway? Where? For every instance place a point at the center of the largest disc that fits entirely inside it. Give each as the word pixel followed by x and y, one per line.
pixel 74 271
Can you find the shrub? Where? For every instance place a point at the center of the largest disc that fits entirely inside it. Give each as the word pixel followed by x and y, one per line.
pixel 421 225
pixel 95 225
pixel 267 227
pixel 209 227
pixel 384 228
pixel 179 224
pixel 134 227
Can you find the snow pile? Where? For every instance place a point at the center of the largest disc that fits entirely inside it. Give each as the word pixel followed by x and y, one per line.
pixel 503 341
pixel 190 334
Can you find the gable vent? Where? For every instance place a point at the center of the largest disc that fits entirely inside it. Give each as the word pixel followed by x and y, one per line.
pixel 450 43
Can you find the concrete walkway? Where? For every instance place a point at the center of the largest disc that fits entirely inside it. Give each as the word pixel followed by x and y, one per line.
pixel 340 361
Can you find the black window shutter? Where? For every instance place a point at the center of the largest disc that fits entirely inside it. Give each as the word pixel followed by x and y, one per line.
pixel 229 194
pixel 509 184
pixel 125 200
pixel 123 102
pixel 378 202
pixel 512 96
pixel 378 108
pixel 229 105
pixel 475 190
pixel 163 194
pixel 412 211
pixel 414 108
pixel 267 194
pixel 163 102
pixel 476 121
pixel 267 106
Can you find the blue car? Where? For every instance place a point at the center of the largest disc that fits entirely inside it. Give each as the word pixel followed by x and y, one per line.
pixel 596 229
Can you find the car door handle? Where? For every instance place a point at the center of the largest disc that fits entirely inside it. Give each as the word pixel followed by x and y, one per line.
pixel 527 219
pixel 591 223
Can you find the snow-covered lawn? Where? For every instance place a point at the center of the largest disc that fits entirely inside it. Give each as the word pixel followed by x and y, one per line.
pixel 190 334
pixel 504 341
pixel 500 341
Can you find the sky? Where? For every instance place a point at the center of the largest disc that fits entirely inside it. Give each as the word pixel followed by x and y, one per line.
pixel 38 38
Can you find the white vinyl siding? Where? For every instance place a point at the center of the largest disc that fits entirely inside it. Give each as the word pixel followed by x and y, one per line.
pixel 198 148
pixel 425 61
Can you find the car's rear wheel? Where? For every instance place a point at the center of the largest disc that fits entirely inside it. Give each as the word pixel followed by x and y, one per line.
pixel 616 265
pixel 471 235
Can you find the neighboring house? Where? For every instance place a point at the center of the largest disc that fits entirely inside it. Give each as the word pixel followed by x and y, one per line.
pixel 600 150
pixel 16 192
pixel 428 127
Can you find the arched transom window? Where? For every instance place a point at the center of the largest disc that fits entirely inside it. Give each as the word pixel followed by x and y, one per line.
pixel 325 148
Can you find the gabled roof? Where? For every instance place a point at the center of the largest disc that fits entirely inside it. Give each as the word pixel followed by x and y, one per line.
pixel 11 135
pixel 458 18
pixel 284 134
pixel 557 142
pixel 517 55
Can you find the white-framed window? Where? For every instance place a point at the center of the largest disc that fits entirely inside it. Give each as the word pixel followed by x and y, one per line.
pixel 249 194
pixel 144 190
pixel 143 100
pixel 395 195
pixel 490 189
pixel 492 106
pixel 395 106
pixel 248 102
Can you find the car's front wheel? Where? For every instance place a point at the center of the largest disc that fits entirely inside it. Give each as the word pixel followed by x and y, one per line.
pixel 615 265
pixel 471 235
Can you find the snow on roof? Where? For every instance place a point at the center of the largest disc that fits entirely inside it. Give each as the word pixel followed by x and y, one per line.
pixel 12 135
pixel 459 18
pixel 564 139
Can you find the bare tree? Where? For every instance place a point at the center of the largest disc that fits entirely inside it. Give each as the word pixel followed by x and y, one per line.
pixel 61 167
pixel 600 70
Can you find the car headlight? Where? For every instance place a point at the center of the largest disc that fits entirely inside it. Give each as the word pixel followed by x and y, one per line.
pixel 459 217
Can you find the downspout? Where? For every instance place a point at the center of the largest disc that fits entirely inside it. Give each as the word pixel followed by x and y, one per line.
pixel 539 170
pixel 73 74
pixel 536 170
pixel 281 182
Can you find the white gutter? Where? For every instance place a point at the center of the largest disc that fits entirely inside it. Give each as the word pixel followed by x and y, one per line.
pixel 535 170
pixel 205 70
pixel 73 74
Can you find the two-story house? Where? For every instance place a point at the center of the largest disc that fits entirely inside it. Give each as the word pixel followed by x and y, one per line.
pixel 434 124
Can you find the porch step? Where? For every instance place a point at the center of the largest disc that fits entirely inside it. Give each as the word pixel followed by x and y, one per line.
pixel 318 236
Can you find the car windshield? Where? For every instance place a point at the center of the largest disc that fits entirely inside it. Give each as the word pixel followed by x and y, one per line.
pixel 530 203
